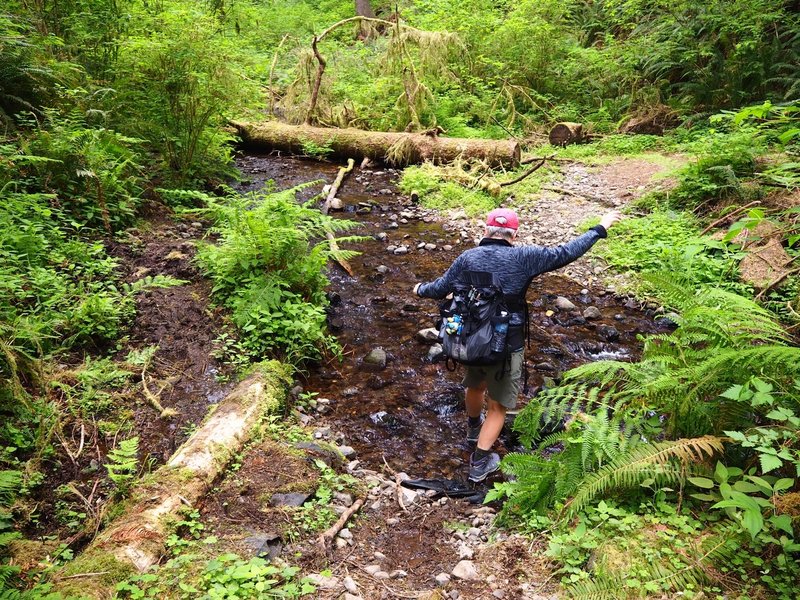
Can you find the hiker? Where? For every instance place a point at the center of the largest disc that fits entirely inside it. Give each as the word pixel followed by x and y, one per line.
pixel 513 267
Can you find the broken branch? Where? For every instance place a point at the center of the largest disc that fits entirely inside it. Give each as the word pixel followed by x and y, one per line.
pixel 327 536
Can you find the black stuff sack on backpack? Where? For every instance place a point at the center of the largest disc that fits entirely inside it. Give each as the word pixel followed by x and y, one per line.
pixel 474 328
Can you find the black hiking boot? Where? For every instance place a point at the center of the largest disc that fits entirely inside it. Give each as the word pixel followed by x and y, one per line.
pixel 482 468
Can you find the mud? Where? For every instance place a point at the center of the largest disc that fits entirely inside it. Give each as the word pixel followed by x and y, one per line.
pixel 182 322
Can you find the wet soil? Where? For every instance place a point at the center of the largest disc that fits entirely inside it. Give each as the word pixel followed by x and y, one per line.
pixel 182 323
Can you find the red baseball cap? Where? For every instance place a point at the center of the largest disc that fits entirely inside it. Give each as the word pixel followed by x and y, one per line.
pixel 503 217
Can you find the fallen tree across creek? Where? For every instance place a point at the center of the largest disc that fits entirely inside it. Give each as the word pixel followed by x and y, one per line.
pixel 392 147
pixel 134 541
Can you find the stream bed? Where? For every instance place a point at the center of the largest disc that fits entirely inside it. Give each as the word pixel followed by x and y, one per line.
pixel 410 414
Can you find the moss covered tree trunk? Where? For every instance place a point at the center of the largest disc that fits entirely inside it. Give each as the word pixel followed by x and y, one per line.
pixel 395 148
pixel 134 541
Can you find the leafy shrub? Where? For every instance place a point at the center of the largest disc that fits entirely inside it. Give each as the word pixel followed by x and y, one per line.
pixel 93 171
pixel 667 241
pixel 178 81
pixel 268 268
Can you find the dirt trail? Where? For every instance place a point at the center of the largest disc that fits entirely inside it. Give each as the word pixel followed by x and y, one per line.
pixel 406 416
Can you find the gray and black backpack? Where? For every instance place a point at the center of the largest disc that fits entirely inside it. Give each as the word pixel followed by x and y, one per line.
pixel 475 322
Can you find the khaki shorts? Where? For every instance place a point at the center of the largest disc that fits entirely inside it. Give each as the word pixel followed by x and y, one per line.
pixel 506 389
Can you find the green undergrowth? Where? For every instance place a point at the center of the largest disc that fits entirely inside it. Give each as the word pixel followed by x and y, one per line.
pixel 267 268
pixel 195 569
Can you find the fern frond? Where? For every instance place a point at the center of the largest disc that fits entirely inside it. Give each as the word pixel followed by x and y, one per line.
pixel 641 462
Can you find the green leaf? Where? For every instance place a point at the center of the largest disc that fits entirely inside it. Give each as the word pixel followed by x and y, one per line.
pixel 704 497
pixel 753 522
pixel 720 472
pixel 736 436
pixel 782 522
pixel 769 463
pixel 783 484
pixel 702 482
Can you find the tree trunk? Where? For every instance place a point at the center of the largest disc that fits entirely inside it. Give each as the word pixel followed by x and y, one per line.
pixel 566 133
pixel 394 148
pixel 135 541
pixel 364 9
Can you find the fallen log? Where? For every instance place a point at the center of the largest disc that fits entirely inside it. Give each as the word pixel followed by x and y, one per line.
pixel 134 542
pixel 392 147
pixel 566 133
pixel 343 171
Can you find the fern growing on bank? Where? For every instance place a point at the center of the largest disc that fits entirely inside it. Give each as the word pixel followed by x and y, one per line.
pixel 269 269
pixel 613 411
pixel 123 464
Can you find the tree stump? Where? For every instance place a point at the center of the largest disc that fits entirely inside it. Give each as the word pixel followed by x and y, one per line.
pixel 566 133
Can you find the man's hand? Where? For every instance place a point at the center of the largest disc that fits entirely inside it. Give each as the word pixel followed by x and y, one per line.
pixel 610 218
pixel 416 289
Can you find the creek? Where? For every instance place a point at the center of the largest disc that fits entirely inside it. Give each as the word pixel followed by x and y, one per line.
pixel 410 413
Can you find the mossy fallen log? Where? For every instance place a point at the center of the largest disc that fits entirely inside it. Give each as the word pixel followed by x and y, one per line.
pixel 394 148
pixel 134 541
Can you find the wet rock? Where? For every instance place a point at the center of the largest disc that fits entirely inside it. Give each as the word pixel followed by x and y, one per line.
pixel 381 555
pixel 382 269
pixel 428 336
pixel 608 332
pixel 329 455
pixel 442 579
pixel 409 496
pixel 350 392
pixel 392 225
pixel 347 452
pixel 380 575
pixel 631 304
pixel 670 319
pixel 465 551
pixel 372 569
pixel 592 312
pixel 290 499
pixel 400 250
pixel 563 304
pixel 341 543
pixel 375 360
pixel 337 204
pixel 345 534
pixel 466 570
pixel 266 545
pixel 435 353
pixel 447 247
pixel 350 585
pixel 430 247
pixel 378 383
pixel 382 236
pixel 545 366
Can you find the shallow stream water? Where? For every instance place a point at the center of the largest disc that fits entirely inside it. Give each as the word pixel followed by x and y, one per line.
pixel 411 414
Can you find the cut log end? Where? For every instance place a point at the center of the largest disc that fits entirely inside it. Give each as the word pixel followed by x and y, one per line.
pixel 566 133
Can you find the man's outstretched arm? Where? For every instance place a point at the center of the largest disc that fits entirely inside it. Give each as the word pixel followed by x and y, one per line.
pixel 544 259
pixel 442 286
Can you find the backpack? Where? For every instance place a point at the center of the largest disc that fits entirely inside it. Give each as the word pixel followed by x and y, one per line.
pixel 474 327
